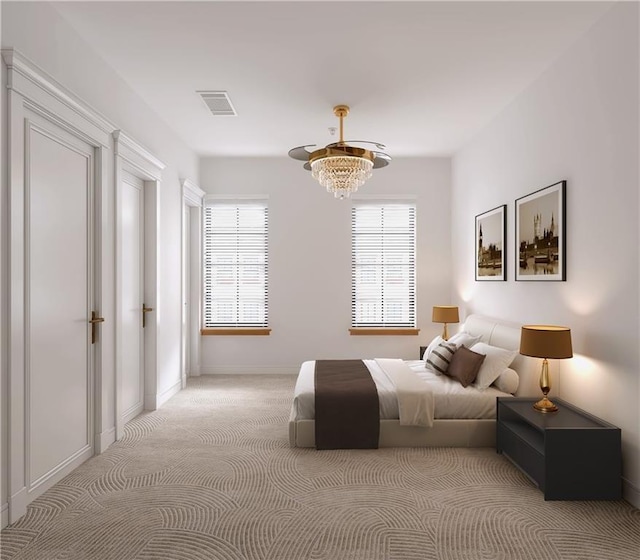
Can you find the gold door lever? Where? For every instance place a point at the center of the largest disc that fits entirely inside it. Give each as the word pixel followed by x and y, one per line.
pixel 145 310
pixel 94 321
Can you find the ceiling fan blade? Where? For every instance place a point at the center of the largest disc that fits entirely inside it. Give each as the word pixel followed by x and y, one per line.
pixel 376 144
pixel 307 166
pixel 335 145
pixel 381 160
pixel 300 153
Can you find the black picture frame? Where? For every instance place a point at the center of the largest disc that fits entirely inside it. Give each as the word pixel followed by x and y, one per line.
pixel 541 240
pixel 491 240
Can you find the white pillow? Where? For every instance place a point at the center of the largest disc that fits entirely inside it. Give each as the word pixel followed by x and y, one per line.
pixel 496 361
pixel 464 339
pixel 437 340
pixel 507 381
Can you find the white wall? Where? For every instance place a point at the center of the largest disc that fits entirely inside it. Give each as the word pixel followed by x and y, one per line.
pixel 38 32
pixel 310 262
pixel 579 122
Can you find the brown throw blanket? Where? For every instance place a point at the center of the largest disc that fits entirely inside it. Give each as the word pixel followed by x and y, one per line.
pixel 347 408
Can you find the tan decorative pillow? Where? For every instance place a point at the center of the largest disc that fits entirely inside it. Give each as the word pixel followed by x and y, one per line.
pixel 464 365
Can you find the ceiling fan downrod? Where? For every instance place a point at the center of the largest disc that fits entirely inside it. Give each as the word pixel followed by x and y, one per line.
pixel 341 111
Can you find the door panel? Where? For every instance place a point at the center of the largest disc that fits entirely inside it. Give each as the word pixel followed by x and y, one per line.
pixel 132 216
pixel 186 281
pixel 58 241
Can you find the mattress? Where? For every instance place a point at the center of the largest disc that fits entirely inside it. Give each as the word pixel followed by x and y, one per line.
pixel 451 400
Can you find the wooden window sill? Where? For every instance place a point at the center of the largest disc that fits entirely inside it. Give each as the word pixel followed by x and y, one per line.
pixel 237 331
pixel 383 331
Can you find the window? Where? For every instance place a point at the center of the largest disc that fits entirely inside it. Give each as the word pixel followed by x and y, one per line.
pixel 383 265
pixel 235 264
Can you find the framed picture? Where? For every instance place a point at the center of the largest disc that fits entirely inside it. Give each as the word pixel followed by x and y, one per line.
pixel 540 234
pixel 490 244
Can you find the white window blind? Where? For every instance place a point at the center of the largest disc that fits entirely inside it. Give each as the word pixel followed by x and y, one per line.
pixel 235 264
pixel 383 272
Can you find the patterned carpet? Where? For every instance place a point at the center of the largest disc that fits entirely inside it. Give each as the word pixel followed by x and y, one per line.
pixel 210 476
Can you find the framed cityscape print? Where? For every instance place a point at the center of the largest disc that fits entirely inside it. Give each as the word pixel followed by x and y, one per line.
pixel 540 234
pixel 490 244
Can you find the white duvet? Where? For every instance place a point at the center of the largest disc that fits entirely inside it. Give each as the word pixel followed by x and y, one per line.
pixel 450 399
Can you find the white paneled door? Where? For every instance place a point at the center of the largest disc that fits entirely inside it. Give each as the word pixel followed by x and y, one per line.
pixel 60 404
pixel 58 249
pixel 132 301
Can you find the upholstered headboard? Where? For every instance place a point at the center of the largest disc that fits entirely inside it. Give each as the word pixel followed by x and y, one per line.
pixel 505 334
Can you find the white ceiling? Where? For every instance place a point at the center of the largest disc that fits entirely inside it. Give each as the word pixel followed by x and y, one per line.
pixel 420 77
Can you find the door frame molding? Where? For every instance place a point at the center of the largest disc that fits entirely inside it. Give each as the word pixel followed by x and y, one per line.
pixel 132 157
pixel 193 200
pixel 31 89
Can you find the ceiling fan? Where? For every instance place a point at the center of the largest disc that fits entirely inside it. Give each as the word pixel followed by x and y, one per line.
pixel 341 167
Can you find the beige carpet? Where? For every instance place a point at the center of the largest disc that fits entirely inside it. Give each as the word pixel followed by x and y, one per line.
pixel 210 476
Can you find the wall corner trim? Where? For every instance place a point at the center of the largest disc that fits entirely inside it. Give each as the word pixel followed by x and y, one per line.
pixel 4 515
pixel 105 439
pixel 631 493
pixel 165 395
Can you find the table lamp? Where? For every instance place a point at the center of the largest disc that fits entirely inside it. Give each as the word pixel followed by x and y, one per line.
pixel 545 341
pixel 445 314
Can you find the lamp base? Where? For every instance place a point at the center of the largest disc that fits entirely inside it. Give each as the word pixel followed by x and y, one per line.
pixel 445 333
pixel 545 405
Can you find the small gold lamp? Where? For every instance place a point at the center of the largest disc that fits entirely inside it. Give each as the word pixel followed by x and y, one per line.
pixel 545 341
pixel 445 314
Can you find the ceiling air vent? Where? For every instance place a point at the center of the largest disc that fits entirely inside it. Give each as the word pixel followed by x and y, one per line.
pixel 218 102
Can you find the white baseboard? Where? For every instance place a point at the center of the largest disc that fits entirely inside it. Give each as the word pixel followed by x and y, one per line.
pixel 105 439
pixel 4 516
pixel 250 370
pixel 163 397
pixel 18 505
pixel 151 402
pixel 631 493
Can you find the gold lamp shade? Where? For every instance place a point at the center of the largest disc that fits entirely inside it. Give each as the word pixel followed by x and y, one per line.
pixel 445 314
pixel 545 341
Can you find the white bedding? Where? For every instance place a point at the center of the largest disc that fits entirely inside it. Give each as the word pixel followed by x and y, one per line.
pixel 451 400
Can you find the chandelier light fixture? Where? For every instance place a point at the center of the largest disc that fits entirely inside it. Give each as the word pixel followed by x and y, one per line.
pixel 341 167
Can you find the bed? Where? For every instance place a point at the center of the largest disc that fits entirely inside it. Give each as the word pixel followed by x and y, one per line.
pixel 463 417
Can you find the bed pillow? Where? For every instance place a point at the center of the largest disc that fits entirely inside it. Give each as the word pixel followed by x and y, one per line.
pixel 459 339
pixel 507 381
pixel 440 357
pixel 464 365
pixel 497 360
pixel 464 339
pixel 437 340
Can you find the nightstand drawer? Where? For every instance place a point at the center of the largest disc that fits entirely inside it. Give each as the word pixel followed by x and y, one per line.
pixel 524 455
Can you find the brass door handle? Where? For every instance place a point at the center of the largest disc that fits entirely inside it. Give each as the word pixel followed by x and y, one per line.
pixel 145 310
pixel 93 322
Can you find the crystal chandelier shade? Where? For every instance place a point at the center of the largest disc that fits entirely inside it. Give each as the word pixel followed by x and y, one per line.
pixel 341 167
pixel 341 175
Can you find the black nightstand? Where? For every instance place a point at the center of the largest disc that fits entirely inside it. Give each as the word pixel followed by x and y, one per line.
pixel 422 351
pixel 569 454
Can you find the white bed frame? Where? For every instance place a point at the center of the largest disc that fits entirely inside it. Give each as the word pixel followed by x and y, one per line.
pixel 446 433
